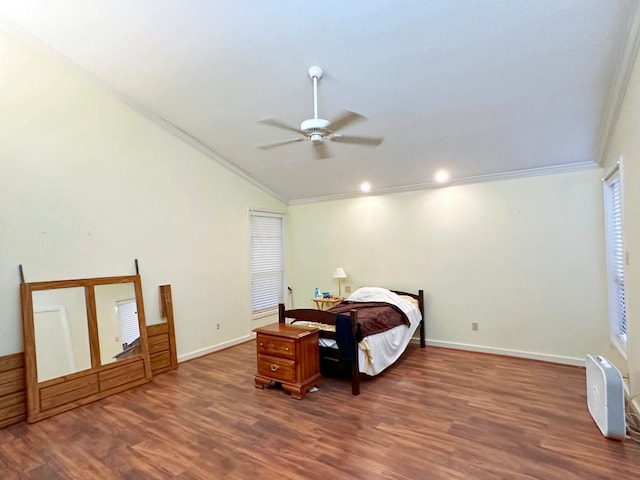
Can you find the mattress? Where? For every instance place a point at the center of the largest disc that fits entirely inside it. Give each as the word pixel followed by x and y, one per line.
pixel 379 351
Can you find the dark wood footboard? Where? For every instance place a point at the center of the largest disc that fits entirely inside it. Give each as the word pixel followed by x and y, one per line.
pixel 420 298
pixel 328 318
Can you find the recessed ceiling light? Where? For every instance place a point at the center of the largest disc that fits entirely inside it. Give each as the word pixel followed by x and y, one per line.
pixel 365 187
pixel 442 176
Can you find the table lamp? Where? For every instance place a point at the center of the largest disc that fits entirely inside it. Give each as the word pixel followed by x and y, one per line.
pixel 339 274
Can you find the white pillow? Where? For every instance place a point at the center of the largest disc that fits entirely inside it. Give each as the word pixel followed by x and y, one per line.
pixel 373 294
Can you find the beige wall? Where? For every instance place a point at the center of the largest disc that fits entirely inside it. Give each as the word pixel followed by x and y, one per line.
pixel 88 185
pixel 625 145
pixel 524 258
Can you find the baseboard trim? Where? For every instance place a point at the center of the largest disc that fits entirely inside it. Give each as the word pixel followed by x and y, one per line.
pixel 580 362
pixel 215 348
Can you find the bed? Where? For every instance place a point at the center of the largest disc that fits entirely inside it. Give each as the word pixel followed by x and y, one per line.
pixel 367 332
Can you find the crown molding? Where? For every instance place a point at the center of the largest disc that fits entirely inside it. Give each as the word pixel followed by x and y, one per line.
pixel 619 87
pixel 492 177
pixel 59 58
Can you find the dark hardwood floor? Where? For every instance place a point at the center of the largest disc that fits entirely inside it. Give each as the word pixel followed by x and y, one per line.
pixel 437 414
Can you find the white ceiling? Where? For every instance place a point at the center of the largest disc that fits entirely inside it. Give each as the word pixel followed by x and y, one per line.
pixel 482 88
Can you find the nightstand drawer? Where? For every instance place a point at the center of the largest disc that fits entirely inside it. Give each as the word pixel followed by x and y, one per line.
pixel 279 347
pixel 277 368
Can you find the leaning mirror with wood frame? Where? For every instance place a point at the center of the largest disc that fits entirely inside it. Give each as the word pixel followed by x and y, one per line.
pixel 83 340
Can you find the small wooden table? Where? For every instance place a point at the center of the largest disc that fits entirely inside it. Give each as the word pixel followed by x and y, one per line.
pixel 288 355
pixel 323 303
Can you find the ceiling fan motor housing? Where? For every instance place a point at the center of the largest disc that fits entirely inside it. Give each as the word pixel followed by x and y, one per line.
pixel 315 129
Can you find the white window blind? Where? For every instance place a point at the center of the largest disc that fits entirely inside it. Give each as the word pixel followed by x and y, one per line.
pixel 615 259
pixel 267 265
pixel 128 317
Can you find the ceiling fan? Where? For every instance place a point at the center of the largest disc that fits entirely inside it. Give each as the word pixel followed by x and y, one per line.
pixel 318 130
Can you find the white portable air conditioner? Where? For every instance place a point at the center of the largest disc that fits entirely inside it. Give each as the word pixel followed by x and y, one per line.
pixel 605 396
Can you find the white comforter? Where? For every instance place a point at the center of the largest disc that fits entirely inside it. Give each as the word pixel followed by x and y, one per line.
pixel 376 352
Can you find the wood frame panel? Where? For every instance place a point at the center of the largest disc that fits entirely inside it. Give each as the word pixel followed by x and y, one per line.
pixel 13 398
pixel 57 395
pixel 163 358
pixel 162 337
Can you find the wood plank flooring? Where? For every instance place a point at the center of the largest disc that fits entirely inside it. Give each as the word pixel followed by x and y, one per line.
pixel 437 414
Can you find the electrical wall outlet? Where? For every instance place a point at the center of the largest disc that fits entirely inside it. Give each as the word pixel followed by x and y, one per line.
pixel 474 326
pixel 347 289
pixel 217 326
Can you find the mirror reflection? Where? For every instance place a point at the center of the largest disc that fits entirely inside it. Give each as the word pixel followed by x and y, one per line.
pixel 118 326
pixel 61 332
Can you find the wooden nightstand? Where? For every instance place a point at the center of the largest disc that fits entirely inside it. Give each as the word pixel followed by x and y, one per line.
pixel 323 303
pixel 288 355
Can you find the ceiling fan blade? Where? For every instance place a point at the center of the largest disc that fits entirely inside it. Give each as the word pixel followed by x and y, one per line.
pixel 342 120
pixel 367 141
pixel 283 142
pixel 320 150
pixel 274 122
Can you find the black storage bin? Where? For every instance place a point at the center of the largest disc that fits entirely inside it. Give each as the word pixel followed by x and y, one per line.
pixel 333 364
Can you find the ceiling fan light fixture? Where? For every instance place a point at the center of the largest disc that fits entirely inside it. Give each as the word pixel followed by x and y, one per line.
pixel 316 137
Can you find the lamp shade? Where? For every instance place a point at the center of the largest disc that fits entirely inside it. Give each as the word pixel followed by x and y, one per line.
pixel 339 273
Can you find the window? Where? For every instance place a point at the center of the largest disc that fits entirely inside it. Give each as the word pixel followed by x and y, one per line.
pixel 128 319
pixel 615 259
pixel 267 266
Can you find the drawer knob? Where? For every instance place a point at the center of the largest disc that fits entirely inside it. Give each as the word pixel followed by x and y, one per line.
pixel 261 344
pixel 274 367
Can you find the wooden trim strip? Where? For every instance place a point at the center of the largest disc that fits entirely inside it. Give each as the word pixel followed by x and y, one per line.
pixel 13 397
pixel 164 354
